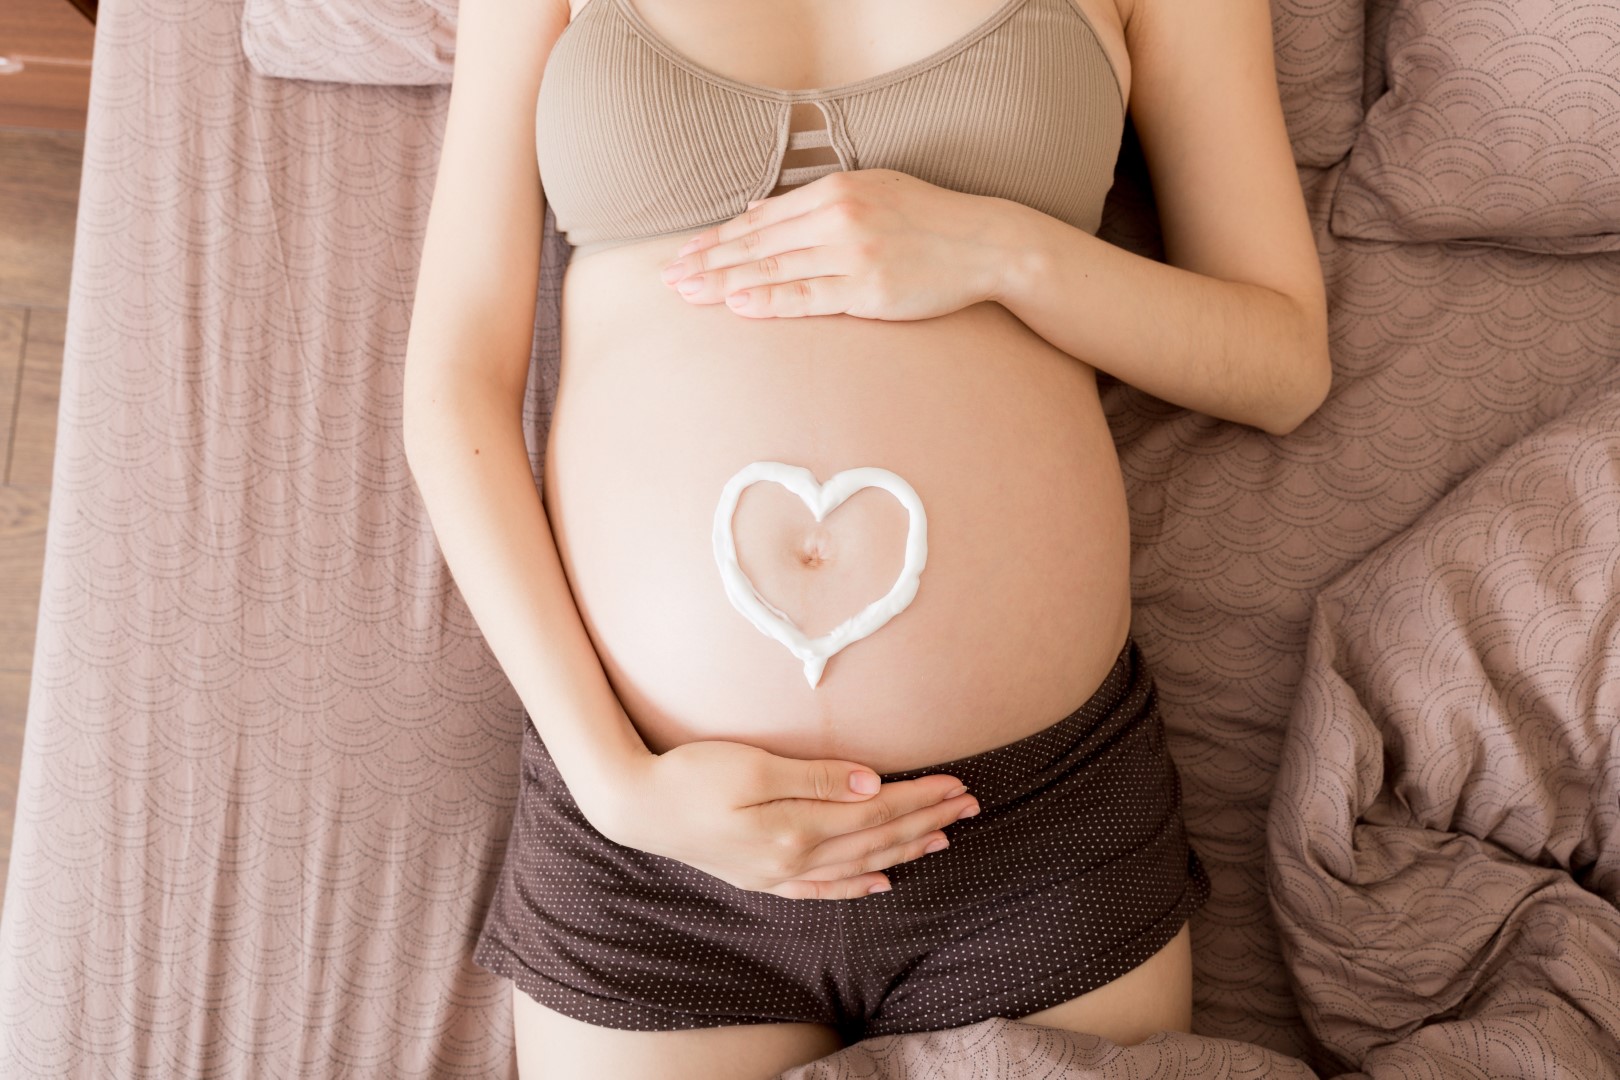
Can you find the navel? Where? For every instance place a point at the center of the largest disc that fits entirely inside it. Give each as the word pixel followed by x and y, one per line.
pixel 814 547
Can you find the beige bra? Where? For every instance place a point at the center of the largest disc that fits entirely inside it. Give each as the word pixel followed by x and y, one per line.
pixel 635 140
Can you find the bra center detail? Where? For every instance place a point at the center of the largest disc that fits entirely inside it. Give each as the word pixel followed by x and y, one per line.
pixel 809 152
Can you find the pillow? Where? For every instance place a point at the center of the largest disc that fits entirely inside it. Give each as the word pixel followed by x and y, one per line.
pixel 389 42
pixel 1319 46
pixel 1500 126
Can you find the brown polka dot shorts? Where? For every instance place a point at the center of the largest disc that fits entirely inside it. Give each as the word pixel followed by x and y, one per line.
pixel 1075 871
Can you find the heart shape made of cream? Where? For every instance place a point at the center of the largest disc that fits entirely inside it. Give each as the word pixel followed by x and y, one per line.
pixel 822 499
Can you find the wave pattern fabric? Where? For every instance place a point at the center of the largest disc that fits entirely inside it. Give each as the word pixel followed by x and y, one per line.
pixel 270 765
pixel 1500 125
pixel 381 42
pixel 1002 1049
pixel 1443 357
pixel 1449 793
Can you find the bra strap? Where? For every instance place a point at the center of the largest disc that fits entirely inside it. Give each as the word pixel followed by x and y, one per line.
pixel 799 140
pixel 803 174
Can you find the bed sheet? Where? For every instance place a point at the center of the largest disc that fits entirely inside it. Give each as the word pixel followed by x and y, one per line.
pixel 1445 833
pixel 270 764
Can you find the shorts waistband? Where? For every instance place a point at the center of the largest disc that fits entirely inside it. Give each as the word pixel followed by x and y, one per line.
pixel 1016 769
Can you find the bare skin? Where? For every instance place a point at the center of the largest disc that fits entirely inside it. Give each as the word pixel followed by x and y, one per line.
pixel 999 432
pixel 980 383
pixel 1156 995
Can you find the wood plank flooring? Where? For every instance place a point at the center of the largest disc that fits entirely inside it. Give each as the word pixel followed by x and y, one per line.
pixel 39 196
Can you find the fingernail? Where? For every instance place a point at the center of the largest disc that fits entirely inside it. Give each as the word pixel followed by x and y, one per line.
pixel 864 782
pixel 689 246
pixel 955 791
pixel 671 272
pixel 882 886
pixel 689 286
pixel 936 845
pixel 973 808
pixel 737 299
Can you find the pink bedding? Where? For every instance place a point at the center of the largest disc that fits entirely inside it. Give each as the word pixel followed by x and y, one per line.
pixel 1445 830
pixel 270 765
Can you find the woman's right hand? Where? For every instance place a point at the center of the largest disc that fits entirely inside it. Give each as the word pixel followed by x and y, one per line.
pixel 793 827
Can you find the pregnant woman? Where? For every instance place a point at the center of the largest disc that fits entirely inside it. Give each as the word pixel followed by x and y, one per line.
pixel 834 726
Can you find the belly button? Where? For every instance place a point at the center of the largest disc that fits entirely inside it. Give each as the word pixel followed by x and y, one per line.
pixel 815 550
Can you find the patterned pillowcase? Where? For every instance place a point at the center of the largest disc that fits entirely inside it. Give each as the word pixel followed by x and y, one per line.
pixel 387 42
pixel 1500 126
pixel 1318 47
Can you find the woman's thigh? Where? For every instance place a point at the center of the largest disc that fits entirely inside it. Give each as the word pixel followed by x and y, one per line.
pixel 551 1046
pixel 1154 996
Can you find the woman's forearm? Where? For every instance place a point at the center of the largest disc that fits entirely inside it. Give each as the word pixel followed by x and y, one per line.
pixel 466 452
pixel 1234 350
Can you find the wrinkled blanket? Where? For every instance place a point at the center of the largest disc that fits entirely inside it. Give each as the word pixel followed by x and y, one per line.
pixel 1444 841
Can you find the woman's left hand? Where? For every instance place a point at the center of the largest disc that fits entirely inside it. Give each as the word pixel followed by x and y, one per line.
pixel 874 243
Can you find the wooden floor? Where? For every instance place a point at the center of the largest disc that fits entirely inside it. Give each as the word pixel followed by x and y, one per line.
pixel 39 195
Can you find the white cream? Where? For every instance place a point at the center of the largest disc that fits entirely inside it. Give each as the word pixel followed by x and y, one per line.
pixel 822 499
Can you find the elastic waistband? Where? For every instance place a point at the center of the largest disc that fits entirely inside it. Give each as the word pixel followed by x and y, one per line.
pixel 1013 770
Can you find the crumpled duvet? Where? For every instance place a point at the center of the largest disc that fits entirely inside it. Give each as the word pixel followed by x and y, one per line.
pixel 1444 834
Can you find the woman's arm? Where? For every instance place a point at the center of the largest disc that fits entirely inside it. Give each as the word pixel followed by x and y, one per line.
pixel 470 464
pixel 1237 350
pixel 466 367
pixel 1236 325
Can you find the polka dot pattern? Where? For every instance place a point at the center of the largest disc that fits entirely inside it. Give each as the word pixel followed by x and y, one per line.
pixel 1075 871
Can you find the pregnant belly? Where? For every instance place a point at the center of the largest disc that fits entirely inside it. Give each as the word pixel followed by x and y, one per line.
pixel 1023 603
